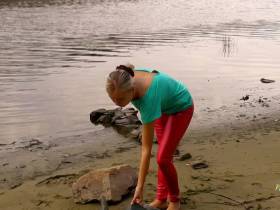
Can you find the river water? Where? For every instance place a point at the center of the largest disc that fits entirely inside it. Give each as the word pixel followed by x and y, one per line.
pixel 55 55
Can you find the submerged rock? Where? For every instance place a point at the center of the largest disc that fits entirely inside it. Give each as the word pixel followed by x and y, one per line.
pixel 33 145
pixel 109 184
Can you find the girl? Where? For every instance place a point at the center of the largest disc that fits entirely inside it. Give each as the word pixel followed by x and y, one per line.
pixel 166 107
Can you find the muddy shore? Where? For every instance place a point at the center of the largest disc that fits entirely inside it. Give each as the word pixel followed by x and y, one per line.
pixel 240 147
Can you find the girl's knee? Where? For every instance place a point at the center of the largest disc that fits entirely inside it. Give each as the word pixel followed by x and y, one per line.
pixel 163 162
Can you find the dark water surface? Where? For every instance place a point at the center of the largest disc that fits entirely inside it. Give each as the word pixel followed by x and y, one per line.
pixel 55 55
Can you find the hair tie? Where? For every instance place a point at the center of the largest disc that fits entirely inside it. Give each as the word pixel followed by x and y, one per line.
pixel 125 68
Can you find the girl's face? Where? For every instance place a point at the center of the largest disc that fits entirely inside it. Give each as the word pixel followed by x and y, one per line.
pixel 122 98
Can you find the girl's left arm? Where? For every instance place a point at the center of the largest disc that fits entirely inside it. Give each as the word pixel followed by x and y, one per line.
pixel 147 142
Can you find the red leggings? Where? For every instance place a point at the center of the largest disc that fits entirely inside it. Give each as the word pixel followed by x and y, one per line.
pixel 169 130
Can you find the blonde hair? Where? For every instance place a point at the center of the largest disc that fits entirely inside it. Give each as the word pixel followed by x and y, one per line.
pixel 120 79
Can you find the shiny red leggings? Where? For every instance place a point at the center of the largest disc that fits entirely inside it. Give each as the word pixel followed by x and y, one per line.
pixel 169 130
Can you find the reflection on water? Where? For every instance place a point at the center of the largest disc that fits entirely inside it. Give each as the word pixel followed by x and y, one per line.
pixel 54 53
pixel 228 46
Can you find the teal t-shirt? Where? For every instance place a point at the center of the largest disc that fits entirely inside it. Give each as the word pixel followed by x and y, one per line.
pixel 164 95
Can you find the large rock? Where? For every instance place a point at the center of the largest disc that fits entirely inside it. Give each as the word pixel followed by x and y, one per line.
pixel 124 121
pixel 109 183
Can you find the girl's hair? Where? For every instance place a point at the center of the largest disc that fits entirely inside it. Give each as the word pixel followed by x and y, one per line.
pixel 120 79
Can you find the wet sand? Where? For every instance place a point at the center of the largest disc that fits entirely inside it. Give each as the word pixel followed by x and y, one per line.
pixel 243 159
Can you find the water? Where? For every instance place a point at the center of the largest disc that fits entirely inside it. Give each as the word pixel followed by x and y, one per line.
pixel 55 55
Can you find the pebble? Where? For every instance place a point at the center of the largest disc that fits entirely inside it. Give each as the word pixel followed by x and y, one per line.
pixel 198 164
pixel 185 157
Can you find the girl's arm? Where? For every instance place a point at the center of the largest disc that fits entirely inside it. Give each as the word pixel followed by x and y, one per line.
pixel 147 142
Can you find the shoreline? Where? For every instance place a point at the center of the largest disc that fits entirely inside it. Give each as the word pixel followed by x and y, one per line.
pixel 27 160
pixel 58 166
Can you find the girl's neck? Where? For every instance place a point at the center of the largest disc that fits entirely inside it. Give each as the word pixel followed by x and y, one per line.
pixel 141 83
pixel 138 86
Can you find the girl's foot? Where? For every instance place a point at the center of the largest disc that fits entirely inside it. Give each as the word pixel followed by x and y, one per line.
pixel 159 204
pixel 174 206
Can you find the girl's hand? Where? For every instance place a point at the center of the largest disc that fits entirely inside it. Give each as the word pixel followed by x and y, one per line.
pixel 138 196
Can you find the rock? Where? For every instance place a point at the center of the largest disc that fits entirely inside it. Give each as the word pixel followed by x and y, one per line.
pixel 136 206
pixel 245 98
pixel 117 116
pixel 199 164
pixel 229 180
pixel 124 121
pixel 111 183
pixel 117 112
pixel 263 80
pixel 125 130
pixel 96 114
pixel 22 166
pixel 135 133
pixel 185 157
pixel 128 121
pixel 105 119
pixel 130 111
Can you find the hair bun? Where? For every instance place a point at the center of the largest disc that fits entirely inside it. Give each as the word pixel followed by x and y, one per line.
pixel 127 68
